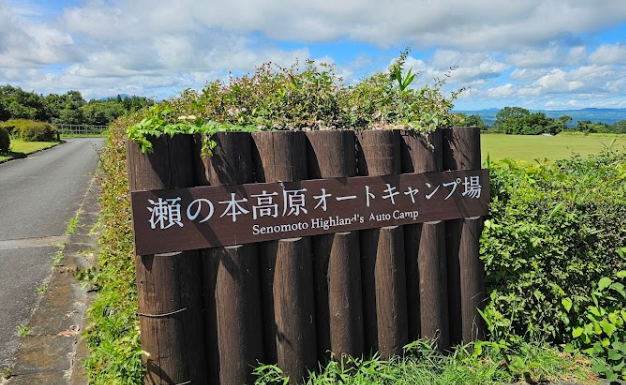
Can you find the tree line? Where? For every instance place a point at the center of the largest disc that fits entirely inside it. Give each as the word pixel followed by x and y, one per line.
pixel 520 121
pixel 68 108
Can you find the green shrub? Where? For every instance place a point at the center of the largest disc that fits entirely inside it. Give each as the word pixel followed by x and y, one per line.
pixel 304 97
pixel 598 324
pixel 552 235
pixel 31 130
pixel 113 333
pixel 5 140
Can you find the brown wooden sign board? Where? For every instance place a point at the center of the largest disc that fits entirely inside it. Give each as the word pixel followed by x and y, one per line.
pixel 205 217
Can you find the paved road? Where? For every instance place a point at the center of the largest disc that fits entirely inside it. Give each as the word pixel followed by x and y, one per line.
pixel 38 197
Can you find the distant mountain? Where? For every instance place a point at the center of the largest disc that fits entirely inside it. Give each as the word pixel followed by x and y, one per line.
pixel 603 115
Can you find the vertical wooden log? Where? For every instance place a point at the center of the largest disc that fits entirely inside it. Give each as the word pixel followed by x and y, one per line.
pixel 230 274
pixel 169 285
pixel 382 255
pixel 337 263
pixel 286 265
pixel 465 269
pixel 427 290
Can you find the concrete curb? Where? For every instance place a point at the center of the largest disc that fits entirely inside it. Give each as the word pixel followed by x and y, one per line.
pixel 31 153
pixel 52 351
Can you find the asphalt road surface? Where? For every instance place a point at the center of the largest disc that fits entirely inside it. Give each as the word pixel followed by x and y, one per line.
pixel 39 195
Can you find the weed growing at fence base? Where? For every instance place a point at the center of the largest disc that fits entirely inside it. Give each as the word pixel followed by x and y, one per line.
pixel 113 333
pixel 422 365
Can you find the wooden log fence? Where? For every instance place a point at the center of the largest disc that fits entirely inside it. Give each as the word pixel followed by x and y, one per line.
pixel 209 316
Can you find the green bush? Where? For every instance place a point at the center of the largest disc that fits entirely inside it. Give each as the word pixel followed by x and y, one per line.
pixel 304 97
pixel 113 333
pixel 598 324
pixel 31 130
pixel 5 140
pixel 553 233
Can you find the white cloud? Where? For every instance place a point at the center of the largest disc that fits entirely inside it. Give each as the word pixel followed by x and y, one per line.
pixel 609 54
pixel 30 44
pixel 501 91
pixel 500 48
pixel 528 74
pixel 553 55
pixel 481 24
pixel 559 105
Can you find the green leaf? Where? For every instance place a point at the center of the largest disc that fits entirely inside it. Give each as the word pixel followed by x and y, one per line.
pixel 577 332
pixel 615 355
pixel 608 327
pixel 621 274
pixel 594 310
pixel 618 287
pixel 567 304
pixel 604 283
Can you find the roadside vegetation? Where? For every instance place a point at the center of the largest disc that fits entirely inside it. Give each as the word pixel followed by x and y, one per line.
pixel 18 138
pixel 68 108
pixel 551 244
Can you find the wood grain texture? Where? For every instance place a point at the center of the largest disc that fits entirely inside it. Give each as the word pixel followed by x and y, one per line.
pixel 378 152
pixel 287 286
pixel 231 284
pixel 427 291
pixel 331 154
pixel 384 291
pixel 230 162
pixel 169 286
pixel 233 308
pixel 466 290
pixel 382 255
pixel 279 156
pixel 472 280
pixel 337 264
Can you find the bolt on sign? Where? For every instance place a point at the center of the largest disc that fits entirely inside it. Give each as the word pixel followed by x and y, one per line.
pixel 212 216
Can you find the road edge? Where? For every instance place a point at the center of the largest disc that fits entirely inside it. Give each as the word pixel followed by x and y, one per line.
pixel 53 350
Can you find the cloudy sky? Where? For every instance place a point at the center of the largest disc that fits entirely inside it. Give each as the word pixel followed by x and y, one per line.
pixel 540 54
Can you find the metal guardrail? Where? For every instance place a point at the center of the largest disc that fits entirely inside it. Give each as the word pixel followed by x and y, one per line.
pixel 80 129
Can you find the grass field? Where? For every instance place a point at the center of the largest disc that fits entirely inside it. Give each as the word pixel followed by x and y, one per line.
pixel 19 148
pixel 531 147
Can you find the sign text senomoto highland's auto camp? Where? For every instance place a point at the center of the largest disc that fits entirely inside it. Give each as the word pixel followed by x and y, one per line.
pixel 204 217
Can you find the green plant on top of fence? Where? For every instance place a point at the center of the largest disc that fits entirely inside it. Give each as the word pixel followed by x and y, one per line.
pixel 310 96
pixel 161 120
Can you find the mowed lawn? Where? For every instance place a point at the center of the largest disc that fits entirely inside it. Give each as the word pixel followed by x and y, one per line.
pixel 20 148
pixel 531 147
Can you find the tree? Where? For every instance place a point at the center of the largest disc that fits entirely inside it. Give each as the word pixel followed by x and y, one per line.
pixel 510 120
pixel 4 114
pixel 70 107
pixel 21 104
pixel 589 127
pixel 475 120
pixel 102 112
pixel 619 127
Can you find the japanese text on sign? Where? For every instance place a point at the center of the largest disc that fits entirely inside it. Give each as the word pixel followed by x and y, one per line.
pixel 204 217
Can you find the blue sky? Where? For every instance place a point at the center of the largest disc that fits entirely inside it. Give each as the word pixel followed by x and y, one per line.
pixel 538 54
